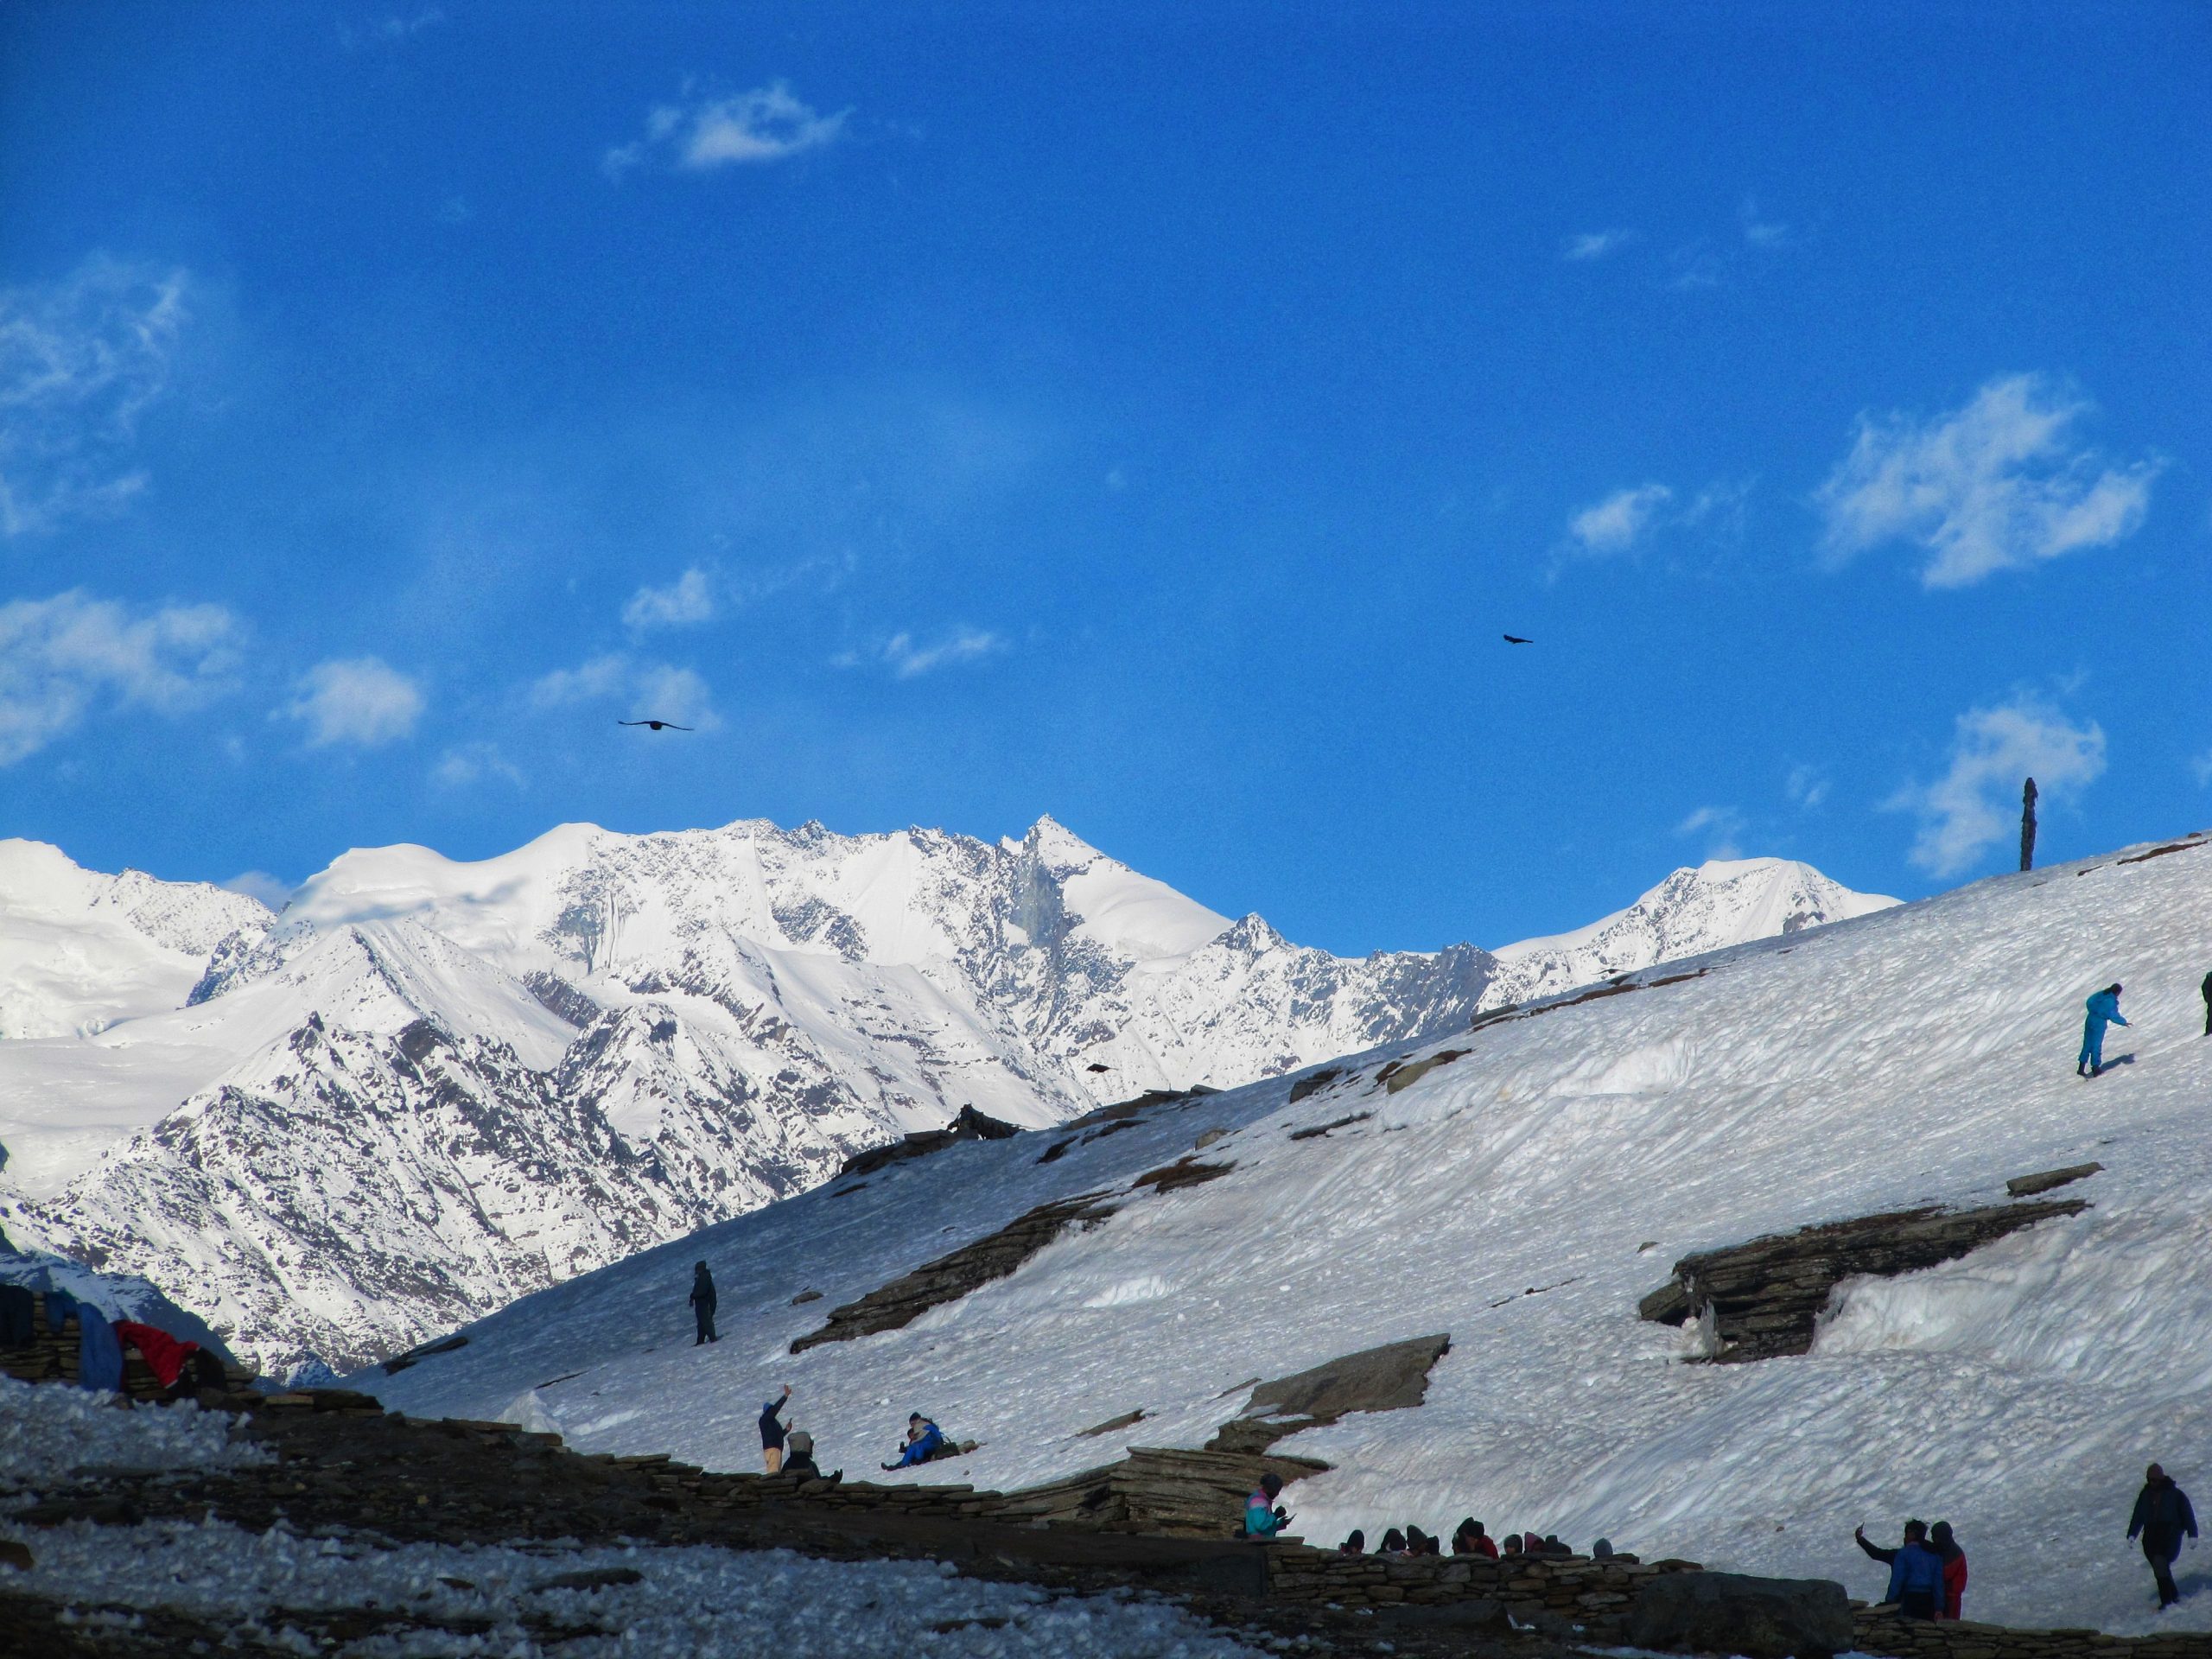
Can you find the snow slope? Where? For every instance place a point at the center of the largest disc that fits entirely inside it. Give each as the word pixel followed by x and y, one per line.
pixel 431 1086
pixel 1922 1054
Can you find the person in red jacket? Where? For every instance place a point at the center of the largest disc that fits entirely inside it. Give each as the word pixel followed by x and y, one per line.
pixel 1944 1543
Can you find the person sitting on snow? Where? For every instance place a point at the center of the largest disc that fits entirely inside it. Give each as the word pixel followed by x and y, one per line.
pixel 1263 1516
pixel 924 1439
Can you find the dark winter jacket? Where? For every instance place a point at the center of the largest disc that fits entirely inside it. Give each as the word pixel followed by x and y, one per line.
pixel 803 1464
pixel 1884 1556
pixel 702 1290
pixel 2162 1516
pixel 771 1424
pixel 1917 1570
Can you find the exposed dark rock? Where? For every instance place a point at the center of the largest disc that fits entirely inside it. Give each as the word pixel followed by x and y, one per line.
pixel 2026 1186
pixel 1726 1612
pixel 1395 1077
pixel 1765 1298
pixel 1183 1172
pixel 560 999
pixel 950 1277
pixel 1318 1130
pixel 1393 1377
pixel 2171 847
pixel 968 1124
pixel 592 1577
pixel 1127 1420
pixel 1313 1084
pixel 400 1363
pixel 804 1297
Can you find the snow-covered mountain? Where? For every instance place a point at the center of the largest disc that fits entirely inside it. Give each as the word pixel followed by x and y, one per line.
pixel 1522 1186
pixel 430 1087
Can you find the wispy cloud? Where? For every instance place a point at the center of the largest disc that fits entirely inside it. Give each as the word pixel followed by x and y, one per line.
pixel 61 657
pixel 1759 230
pixel 1806 787
pixel 272 891
pixel 638 690
pixel 1975 804
pixel 1722 827
pixel 1596 244
pixel 2000 484
pixel 466 763
pixel 392 29
pixel 362 702
pixel 768 123
pixel 1617 523
pixel 907 658
pixel 687 601
pixel 80 360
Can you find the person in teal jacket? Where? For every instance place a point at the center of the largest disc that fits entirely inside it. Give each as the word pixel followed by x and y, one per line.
pixel 1263 1516
pixel 2103 1010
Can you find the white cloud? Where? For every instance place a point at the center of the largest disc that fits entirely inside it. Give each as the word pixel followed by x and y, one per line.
pixel 640 690
pixel 61 657
pixel 1997 485
pixel 765 124
pixel 1806 787
pixel 1976 805
pixel 362 700
pixel 272 891
pixel 1760 233
pixel 80 360
pixel 471 763
pixel 2203 768
pixel 1722 828
pixel 686 600
pixel 1596 244
pixel 908 660
pixel 1614 524
pixel 392 29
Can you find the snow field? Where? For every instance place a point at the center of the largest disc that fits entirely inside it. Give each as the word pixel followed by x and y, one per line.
pixel 1920 1055
pixel 54 1433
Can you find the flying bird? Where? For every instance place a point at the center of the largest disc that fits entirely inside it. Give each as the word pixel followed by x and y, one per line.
pixel 1515 639
pixel 1095 1066
pixel 658 725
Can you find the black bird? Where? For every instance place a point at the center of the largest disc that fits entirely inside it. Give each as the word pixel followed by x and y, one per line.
pixel 1515 639
pixel 1095 1066
pixel 658 725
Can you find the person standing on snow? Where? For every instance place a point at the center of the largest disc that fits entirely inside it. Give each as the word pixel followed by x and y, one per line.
pixel 702 1304
pixel 2207 988
pixel 1945 1543
pixel 1916 1573
pixel 772 1432
pixel 2103 1009
pixel 2162 1516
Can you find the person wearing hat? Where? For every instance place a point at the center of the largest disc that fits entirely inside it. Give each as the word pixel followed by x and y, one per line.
pixel 924 1439
pixel 772 1432
pixel 798 1456
pixel 2162 1516
pixel 2103 1009
pixel 1263 1516
pixel 702 1304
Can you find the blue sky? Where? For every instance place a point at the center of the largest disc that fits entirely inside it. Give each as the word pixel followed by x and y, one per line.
pixel 1150 416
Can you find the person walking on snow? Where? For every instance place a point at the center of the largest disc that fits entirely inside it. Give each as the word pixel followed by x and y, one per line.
pixel 2162 1516
pixel 702 1304
pixel 772 1432
pixel 2103 1009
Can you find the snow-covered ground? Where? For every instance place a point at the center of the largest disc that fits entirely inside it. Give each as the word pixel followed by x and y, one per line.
pixel 431 1086
pixel 686 1603
pixel 1922 1054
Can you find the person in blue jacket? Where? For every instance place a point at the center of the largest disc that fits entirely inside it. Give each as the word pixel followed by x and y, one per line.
pixel 2103 1010
pixel 924 1439
pixel 1916 1573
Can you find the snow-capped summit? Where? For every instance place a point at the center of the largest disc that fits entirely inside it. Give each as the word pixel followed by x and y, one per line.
pixel 1722 902
pixel 497 1073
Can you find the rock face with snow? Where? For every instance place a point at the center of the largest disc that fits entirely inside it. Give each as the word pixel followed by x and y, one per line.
pixel 430 1087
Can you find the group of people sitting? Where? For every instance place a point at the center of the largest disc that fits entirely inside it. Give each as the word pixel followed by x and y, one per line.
pixel 1469 1538
pixel 788 1450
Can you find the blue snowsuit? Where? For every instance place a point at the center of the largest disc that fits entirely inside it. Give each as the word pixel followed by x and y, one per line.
pixel 922 1450
pixel 2103 1010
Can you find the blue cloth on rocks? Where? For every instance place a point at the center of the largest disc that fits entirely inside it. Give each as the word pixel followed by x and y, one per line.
pixel 18 1317
pixel 99 1355
pixel 61 1308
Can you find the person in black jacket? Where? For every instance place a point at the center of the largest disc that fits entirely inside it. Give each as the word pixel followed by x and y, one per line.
pixel 2162 1516
pixel 772 1432
pixel 798 1456
pixel 702 1304
pixel 2207 988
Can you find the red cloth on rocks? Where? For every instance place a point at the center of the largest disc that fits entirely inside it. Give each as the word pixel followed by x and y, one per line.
pixel 163 1352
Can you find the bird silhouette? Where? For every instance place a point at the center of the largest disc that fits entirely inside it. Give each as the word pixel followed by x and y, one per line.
pixel 1095 1066
pixel 658 725
pixel 1515 639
